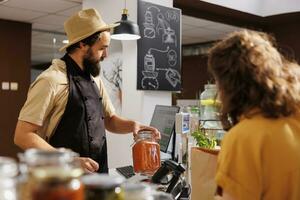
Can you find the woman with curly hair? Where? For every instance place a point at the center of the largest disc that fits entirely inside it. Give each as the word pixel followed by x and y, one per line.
pixel 260 94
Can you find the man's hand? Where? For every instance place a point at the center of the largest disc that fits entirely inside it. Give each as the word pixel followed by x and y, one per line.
pixel 121 125
pixel 88 164
pixel 139 127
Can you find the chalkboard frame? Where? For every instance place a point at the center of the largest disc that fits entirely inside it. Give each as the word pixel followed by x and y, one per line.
pixel 159 49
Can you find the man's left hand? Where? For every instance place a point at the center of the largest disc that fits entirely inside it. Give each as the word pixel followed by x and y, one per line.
pixel 139 127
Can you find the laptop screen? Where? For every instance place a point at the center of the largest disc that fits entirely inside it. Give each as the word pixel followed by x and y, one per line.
pixel 163 119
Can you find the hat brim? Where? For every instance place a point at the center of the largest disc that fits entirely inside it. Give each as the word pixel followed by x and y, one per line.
pixel 109 26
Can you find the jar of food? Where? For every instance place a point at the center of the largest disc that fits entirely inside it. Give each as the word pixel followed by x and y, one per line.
pixel 146 153
pixel 103 186
pixel 8 172
pixel 53 175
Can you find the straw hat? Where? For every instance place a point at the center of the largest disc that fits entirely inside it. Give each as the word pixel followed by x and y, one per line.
pixel 84 24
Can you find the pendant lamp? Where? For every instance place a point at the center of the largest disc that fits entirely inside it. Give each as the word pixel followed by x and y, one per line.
pixel 127 30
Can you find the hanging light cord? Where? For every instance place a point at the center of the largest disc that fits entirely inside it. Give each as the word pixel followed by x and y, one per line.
pixel 125 11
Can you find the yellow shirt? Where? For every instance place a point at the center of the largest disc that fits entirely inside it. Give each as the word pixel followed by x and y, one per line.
pixel 260 159
pixel 47 98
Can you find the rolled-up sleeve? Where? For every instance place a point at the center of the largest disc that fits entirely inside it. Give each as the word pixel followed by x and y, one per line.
pixel 39 102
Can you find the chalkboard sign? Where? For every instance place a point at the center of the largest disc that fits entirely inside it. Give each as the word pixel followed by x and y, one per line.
pixel 159 49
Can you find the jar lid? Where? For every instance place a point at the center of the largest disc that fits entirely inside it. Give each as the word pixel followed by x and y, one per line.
pixel 33 157
pixel 145 134
pixel 57 172
pixel 8 167
pixel 103 181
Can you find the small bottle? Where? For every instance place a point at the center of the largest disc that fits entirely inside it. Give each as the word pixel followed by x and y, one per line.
pixel 146 153
pixel 8 172
pixel 53 175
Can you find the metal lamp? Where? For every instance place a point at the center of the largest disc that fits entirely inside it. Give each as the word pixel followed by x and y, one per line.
pixel 127 30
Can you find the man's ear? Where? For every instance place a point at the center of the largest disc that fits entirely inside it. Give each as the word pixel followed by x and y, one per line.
pixel 83 46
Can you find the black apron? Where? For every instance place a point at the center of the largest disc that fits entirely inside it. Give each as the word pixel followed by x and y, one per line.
pixel 81 127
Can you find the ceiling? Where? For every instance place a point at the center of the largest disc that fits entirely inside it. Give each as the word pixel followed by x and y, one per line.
pixel 47 18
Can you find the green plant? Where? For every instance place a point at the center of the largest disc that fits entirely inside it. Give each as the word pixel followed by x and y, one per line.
pixel 203 140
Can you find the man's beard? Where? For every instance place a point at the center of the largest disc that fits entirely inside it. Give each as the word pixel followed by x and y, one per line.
pixel 91 65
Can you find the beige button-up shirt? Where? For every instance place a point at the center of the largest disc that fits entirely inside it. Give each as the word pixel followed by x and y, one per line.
pixel 47 98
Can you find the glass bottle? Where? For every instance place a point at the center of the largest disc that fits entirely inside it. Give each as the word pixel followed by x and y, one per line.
pixel 8 172
pixel 53 175
pixel 146 153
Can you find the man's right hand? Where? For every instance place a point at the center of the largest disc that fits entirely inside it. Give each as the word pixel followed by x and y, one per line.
pixel 88 164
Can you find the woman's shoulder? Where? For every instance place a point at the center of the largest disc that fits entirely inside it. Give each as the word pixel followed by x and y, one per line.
pixel 248 129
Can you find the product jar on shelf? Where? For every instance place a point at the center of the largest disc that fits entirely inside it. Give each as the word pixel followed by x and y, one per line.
pixel 146 153
pixel 53 175
pixel 103 186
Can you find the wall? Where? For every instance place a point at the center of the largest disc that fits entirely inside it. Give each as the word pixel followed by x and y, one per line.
pixel 287 36
pixel 136 105
pixel 194 76
pixel 258 7
pixel 34 73
pixel 15 40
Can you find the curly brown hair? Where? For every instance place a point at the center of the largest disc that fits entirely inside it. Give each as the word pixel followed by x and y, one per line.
pixel 252 74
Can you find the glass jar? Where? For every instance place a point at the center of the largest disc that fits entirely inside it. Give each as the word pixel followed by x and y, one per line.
pixel 8 172
pixel 137 191
pixel 53 175
pixel 208 102
pixel 146 153
pixel 103 186
pixel 209 115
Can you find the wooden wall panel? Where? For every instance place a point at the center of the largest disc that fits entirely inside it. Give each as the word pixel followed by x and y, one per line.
pixel 15 40
pixel 194 77
pixel 287 37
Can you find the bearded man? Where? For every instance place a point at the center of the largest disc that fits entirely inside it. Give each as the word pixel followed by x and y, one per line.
pixel 68 106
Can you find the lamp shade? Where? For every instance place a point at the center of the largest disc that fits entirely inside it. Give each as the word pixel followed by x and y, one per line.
pixel 127 30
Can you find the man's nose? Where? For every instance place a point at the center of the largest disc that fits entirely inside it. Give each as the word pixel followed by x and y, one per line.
pixel 105 53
